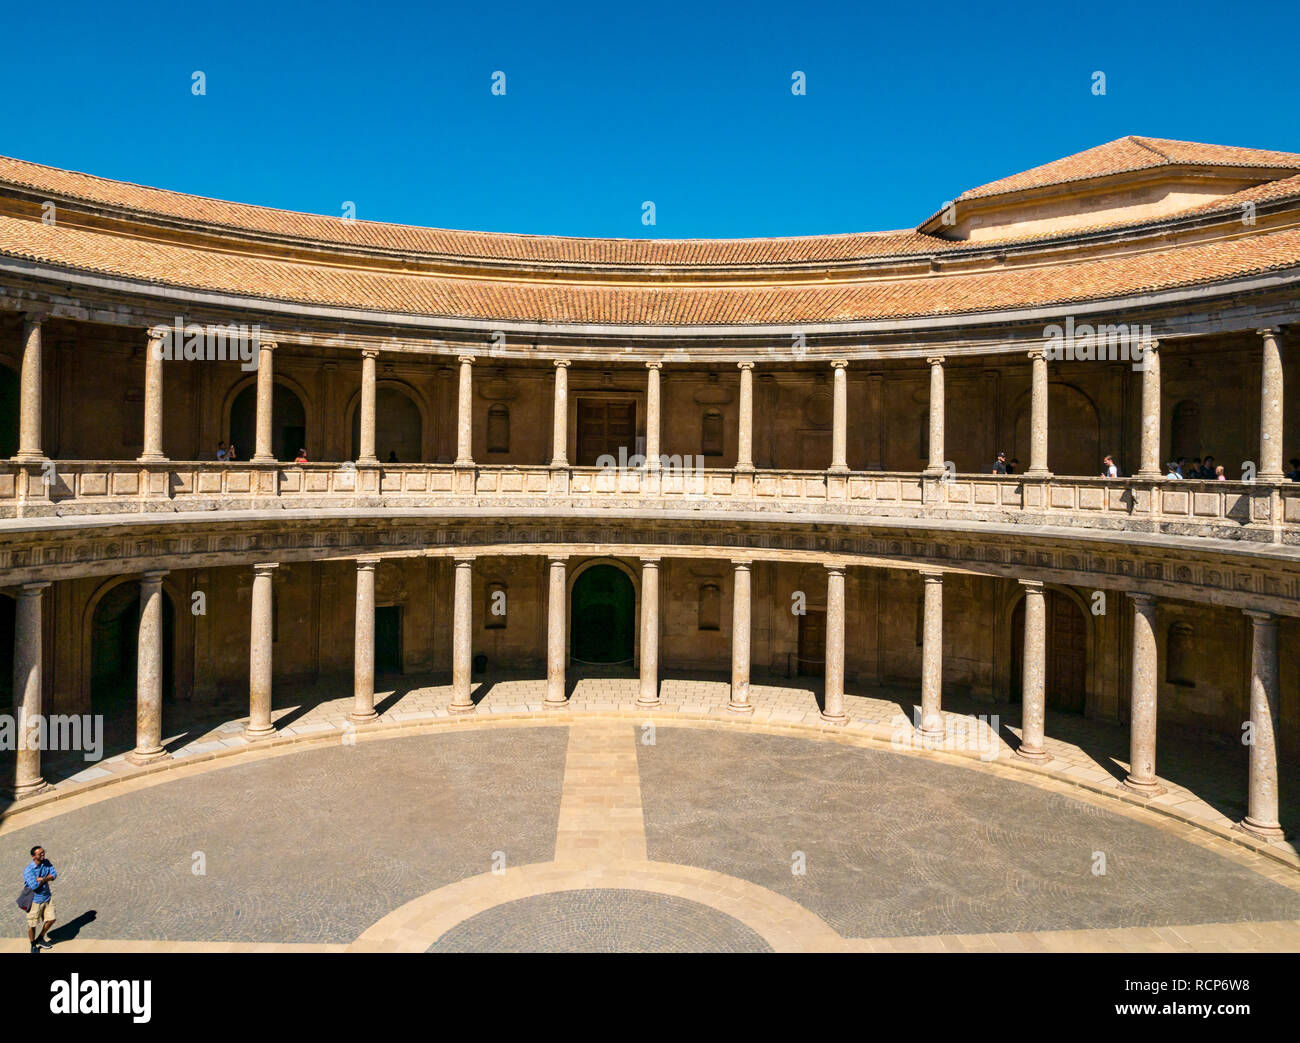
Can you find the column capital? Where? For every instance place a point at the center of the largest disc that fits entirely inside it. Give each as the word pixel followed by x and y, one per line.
pixel 650 563
pixel 561 363
pixel 370 353
pixel 1037 353
pixel 935 360
pixel 265 568
pixel 1142 600
pixel 654 365
pixel 34 588
pixel 1270 331
pixel 931 575
pixel 36 313
pixel 741 563
pixel 836 570
pixel 269 343
pixel 744 365
pixel 1151 345
pixel 465 360
pixel 154 575
pixel 839 363
pixel 1034 585
pixel 368 562
pixel 557 559
pixel 1259 618
pixel 464 559
pixel 158 331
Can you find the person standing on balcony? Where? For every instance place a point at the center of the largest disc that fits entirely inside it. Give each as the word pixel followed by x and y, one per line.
pixel 1000 464
pixel 1219 476
pixel 301 458
pixel 1111 470
pixel 222 452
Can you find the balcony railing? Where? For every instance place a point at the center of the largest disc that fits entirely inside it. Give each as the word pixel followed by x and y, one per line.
pixel 1260 512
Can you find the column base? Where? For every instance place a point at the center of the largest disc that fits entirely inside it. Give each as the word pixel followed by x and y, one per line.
pixel 735 707
pixel 930 735
pixel 833 718
pixel 1042 475
pixel 1142 787
pixel 254 734
pixel 29 789
pixel 368 461
pixel 648 704
pixel 1261 830
pixel 931 472
pixel 143 757
pixel 152 458
pixel 363 718
pixel 1268 477
pixel 837 469
pixel 555 465
pixel 28 458
pixel 463 463
pixel 749 468
pixel 459 708
pixel 1150 476
pixel 1033 756
pixel 555 704
pixel 258 459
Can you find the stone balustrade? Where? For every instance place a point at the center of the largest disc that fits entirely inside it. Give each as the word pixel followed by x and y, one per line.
pixel 1264 512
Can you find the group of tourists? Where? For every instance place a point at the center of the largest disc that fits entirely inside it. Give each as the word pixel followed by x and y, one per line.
pixel 227 452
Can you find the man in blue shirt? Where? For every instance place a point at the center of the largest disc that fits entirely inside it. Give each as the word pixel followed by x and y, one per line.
pixel 40 918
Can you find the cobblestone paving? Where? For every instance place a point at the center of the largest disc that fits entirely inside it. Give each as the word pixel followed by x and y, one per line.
pixel 1206 781
pixel 898 846
pixel 312 847
pixel 601 920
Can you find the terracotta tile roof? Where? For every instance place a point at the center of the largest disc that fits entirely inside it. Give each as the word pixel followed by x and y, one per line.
pixel 551 299
pixel 439 242
pixel 1133 153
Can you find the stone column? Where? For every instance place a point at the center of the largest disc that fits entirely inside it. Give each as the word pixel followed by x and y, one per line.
pixel 840 422
pixel 465 414
pixel 556 648
pixel 1270 409
pixel 745 439
pixel 149 673
pixel 368 364
pixel 932 655
pixel 740 611
pixel 652 415
pixel 649 693
pixel 29 393
pixel 27 690
pixel 1033 704
pixel 935 466
pixel 1261 817
pixel 833 712
pixel 1150 463
pixel 1142 700
pixel 462 641
pixel 259 655
pixel 363 654
pixel 560 424
pixel 153 396
pixel 263 451
pixel 1038 417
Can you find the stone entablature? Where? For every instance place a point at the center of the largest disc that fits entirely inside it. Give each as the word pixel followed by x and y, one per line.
pixel 1260 578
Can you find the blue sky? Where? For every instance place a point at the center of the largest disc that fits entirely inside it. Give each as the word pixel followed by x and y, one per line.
pixel 606 106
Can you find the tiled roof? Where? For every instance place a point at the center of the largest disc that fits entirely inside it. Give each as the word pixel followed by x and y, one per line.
pixel 573 300
pixel 439 242
pixel 1134 153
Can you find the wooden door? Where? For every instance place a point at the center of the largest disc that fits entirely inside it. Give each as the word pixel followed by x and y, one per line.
pixel 812 643
pixel 605 426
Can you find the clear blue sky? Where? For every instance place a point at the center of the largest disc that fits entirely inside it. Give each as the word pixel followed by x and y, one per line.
pixel 608 105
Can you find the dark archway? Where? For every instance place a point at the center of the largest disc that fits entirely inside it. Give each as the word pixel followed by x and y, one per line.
pixel 399 427
pixel 8 610
pixel 1073 432
pixel 603 617
pixel 8 412
pixel 114 637
pixel 1067 653
pixel 288 423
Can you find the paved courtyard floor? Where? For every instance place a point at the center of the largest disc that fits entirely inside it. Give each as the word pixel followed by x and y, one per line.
pixel 584 830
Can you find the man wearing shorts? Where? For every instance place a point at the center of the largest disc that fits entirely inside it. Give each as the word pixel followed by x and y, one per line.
pixel 40 918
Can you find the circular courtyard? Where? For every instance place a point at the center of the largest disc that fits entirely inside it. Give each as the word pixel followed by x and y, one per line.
pixel 606 835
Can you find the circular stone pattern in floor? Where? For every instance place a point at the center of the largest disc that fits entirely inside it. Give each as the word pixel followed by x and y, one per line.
pixel 601 920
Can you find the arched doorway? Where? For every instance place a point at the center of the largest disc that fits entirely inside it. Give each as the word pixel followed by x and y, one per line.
pixel 1073 432
pixel 114 637
pixel 8 610
pixel 602 617
pixel 399 427
pixel 288 423
pixel 8 412
pixel 1067 653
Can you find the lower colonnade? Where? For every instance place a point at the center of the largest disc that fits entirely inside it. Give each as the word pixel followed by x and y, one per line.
pixel 1143 673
